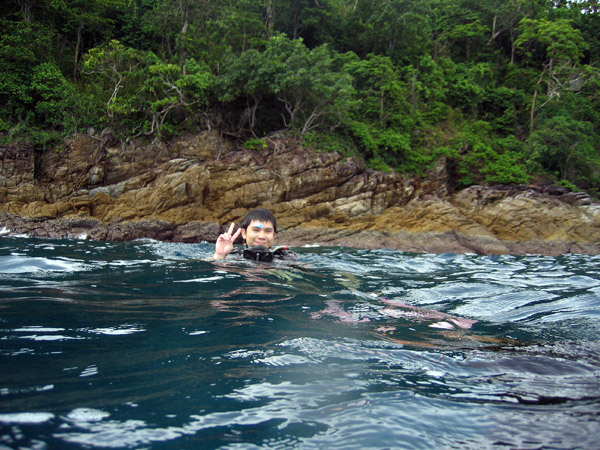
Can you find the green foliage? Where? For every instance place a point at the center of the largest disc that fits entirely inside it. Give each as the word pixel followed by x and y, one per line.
pixel 500 106
pixel 255 144
pixel 565 146
pixel 52 97
pixel 483 159
pixel 140 92
pixel 377 163
pixel 504 89
pixel 166 90
pixel 380 89
pixel 398 29
pixel 556 39
pixel 570 186
pixel 23 46
pixel 117 72
pixel 326 142
pixel 505 168
pixel 304 83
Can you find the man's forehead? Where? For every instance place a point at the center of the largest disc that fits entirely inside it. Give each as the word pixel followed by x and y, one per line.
pixel 259 224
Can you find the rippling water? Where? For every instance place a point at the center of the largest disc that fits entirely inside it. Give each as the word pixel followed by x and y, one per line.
pixel 152 345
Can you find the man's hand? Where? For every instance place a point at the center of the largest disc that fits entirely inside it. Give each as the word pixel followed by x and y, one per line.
pixel 224 243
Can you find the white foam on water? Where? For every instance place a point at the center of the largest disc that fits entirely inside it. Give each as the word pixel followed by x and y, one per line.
pixel 87 415
pixel 197 333
pixel 51 337
pixel 19 264
pixel 26 418
pixel 117 331
pixel 37 329
pixel 89 371
pixel 201 280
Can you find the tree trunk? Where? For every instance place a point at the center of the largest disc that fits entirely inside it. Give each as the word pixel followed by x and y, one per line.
pixel 77 47
pixel 269 18
pixel 535 94
pixel 26 10
pixel 185 10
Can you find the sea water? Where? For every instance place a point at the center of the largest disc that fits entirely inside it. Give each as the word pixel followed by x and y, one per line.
pixel 150 345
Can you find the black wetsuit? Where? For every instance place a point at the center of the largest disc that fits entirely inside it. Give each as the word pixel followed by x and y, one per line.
pixel 264 254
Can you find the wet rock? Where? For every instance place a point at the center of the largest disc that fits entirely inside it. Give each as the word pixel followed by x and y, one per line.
pixel 188 190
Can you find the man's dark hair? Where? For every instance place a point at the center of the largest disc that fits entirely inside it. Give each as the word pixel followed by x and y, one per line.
pixel 262 215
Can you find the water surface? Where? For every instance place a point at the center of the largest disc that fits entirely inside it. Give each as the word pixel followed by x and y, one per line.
pixel 149 345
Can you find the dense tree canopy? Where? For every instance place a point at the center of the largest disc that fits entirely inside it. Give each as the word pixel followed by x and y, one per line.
pixel 507 90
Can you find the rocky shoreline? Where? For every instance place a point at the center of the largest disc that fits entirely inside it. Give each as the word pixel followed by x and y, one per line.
pixel 190 189
pixel 193 232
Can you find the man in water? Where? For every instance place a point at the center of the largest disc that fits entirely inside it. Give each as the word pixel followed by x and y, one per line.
pixel 259 229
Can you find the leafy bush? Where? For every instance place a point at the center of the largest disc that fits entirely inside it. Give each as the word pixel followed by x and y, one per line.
pixel 564 145
pixel 140 92
pixel 379 164
pixel 481 159
pixel 326 142
pixel 255 144
pixel 52 98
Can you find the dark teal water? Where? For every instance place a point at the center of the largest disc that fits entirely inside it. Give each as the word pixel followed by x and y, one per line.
pixel 148 345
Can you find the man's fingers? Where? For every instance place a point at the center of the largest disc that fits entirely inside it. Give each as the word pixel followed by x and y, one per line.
pixel 227 236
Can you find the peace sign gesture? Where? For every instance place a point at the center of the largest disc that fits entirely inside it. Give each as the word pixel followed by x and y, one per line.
pixel 224 243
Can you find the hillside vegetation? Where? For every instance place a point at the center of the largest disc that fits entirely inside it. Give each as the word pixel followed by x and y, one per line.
pixel 507 90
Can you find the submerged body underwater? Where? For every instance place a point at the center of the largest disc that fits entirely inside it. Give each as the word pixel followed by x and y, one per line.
pixel 153 345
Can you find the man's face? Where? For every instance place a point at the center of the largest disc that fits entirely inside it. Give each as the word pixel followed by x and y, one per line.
pixel 259 233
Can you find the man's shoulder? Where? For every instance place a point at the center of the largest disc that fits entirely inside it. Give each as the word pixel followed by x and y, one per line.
pixel 283 252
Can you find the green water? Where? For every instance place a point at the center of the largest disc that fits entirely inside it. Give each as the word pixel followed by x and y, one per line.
pixel 152 345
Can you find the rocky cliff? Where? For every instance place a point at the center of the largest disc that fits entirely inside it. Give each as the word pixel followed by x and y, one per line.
pixel 191 188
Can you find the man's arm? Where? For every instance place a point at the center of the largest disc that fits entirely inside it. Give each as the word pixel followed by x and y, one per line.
pixel 224 243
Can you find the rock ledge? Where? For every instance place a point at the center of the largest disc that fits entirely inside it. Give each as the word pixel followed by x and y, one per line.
pixel 189 190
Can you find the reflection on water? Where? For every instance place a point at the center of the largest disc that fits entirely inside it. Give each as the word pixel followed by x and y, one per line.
pixel 152 345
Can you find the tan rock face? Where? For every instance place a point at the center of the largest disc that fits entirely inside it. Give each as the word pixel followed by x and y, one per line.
pixel 200 183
